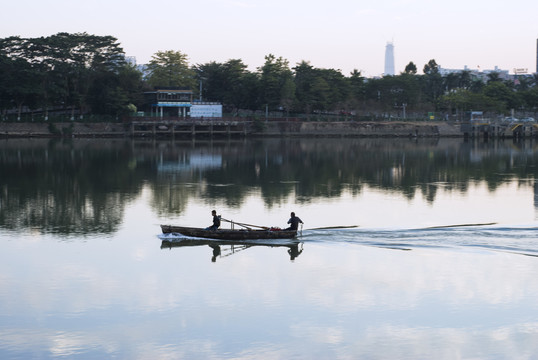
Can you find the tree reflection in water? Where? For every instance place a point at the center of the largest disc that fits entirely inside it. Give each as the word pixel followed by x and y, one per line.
pixel 83 186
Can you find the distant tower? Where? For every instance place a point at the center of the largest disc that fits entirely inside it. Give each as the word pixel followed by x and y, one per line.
pixel 537 56
pixel 389 59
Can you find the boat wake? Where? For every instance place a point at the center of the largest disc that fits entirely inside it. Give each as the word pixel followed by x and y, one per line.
pixel 492 237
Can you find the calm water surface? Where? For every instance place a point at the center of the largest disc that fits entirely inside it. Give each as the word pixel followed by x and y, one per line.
pixel 435 257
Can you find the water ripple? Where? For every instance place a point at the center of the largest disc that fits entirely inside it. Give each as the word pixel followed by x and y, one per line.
pixel 519 239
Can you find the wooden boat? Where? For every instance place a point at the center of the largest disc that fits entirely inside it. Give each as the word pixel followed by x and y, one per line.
pixel 188 242
pixel 230 234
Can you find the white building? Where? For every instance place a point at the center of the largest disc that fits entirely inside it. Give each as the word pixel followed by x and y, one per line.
pixel 477 73
pixel 389 59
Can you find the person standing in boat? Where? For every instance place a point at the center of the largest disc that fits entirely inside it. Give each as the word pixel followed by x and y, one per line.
pixel 294 222
pixel 216 221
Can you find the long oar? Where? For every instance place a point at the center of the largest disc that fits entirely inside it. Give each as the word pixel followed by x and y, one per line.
pixel 335 227
pixel 459 225
pixel 245 225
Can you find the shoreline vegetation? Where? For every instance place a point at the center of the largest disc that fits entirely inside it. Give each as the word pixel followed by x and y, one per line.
pixel 88 76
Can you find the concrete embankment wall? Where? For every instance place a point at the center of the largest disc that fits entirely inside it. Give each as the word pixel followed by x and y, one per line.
pixel 270 128
pixel 366 129
pixel 62 129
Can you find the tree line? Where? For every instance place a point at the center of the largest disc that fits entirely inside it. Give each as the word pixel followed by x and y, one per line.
pixel 87 75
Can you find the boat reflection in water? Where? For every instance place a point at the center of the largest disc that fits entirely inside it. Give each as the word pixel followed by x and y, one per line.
pixel 224 248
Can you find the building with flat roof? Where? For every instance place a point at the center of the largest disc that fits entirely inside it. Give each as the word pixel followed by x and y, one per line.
pixel 477 74
pixel 178 102
pixel 168 101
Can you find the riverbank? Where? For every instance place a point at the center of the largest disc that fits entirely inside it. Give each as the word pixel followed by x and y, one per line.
pixel 215 128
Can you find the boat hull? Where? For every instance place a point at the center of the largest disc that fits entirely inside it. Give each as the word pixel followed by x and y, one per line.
pixel 229 234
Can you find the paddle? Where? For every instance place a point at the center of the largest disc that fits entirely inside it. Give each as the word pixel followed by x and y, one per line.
pixel 458 225
pixel 335 227
pixel 245 225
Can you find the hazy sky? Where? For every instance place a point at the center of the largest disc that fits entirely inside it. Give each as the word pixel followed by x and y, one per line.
pixel 338 34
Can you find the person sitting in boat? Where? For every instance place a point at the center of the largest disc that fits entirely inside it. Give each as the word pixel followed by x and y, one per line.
pixel 216 221
pixel 294 222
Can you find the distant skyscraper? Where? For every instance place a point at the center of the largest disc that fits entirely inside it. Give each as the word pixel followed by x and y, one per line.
pixel 389 59
pixel 536 55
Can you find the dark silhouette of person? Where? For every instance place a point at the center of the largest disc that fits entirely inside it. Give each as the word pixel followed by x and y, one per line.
pixel 216 221
pixel 216 252
pixel 294 251
pixel 294 222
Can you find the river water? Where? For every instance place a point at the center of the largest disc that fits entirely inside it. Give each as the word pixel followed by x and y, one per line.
pixel 410 249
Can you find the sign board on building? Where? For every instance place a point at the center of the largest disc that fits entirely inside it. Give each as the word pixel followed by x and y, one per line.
pixel 206 110
pixel 520 71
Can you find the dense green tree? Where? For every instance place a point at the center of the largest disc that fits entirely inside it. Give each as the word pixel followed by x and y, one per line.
pixel 277 89
pixel 116 94
pixel 494 77
pixel 79 58
pixel 433 81
pixel 339 87
pixel 465 79
pixel 411 94
pixel 356 83
pixel 236 87
pixel 476 86
pixel 451 81
pixel 213 81
pixel 461 101
pixel 88 74
pixel 523 83
pixel 18 78
pixel 504 97
pixel 410 68
pixel 58 71
pixel 170 69
pixel 304 81
pixel 431 68
pixel 230 83
pixel 530 98
pixel 323 89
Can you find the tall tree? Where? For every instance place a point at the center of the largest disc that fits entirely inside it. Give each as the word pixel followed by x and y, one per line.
pixel 63 65
pixel 170 68
pixel 465 79
pixel 410 68
pixel 230 83
pixel 304 81
pixel 494 77
pixel 431 68
pixel 504 97
pixel 433 81
pixel 237 87
pixel 276 83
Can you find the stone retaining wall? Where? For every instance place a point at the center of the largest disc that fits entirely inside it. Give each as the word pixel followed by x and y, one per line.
pixel 271 128
pixel 365 129
pixel 62 129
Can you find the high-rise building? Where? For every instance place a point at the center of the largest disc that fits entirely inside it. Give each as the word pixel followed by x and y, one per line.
pixel 389 59
pixel 536 55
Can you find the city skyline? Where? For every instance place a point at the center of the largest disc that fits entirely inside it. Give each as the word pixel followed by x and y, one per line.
pixel 345 35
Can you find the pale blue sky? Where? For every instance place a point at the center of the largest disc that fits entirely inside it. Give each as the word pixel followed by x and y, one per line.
pixel 339 34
